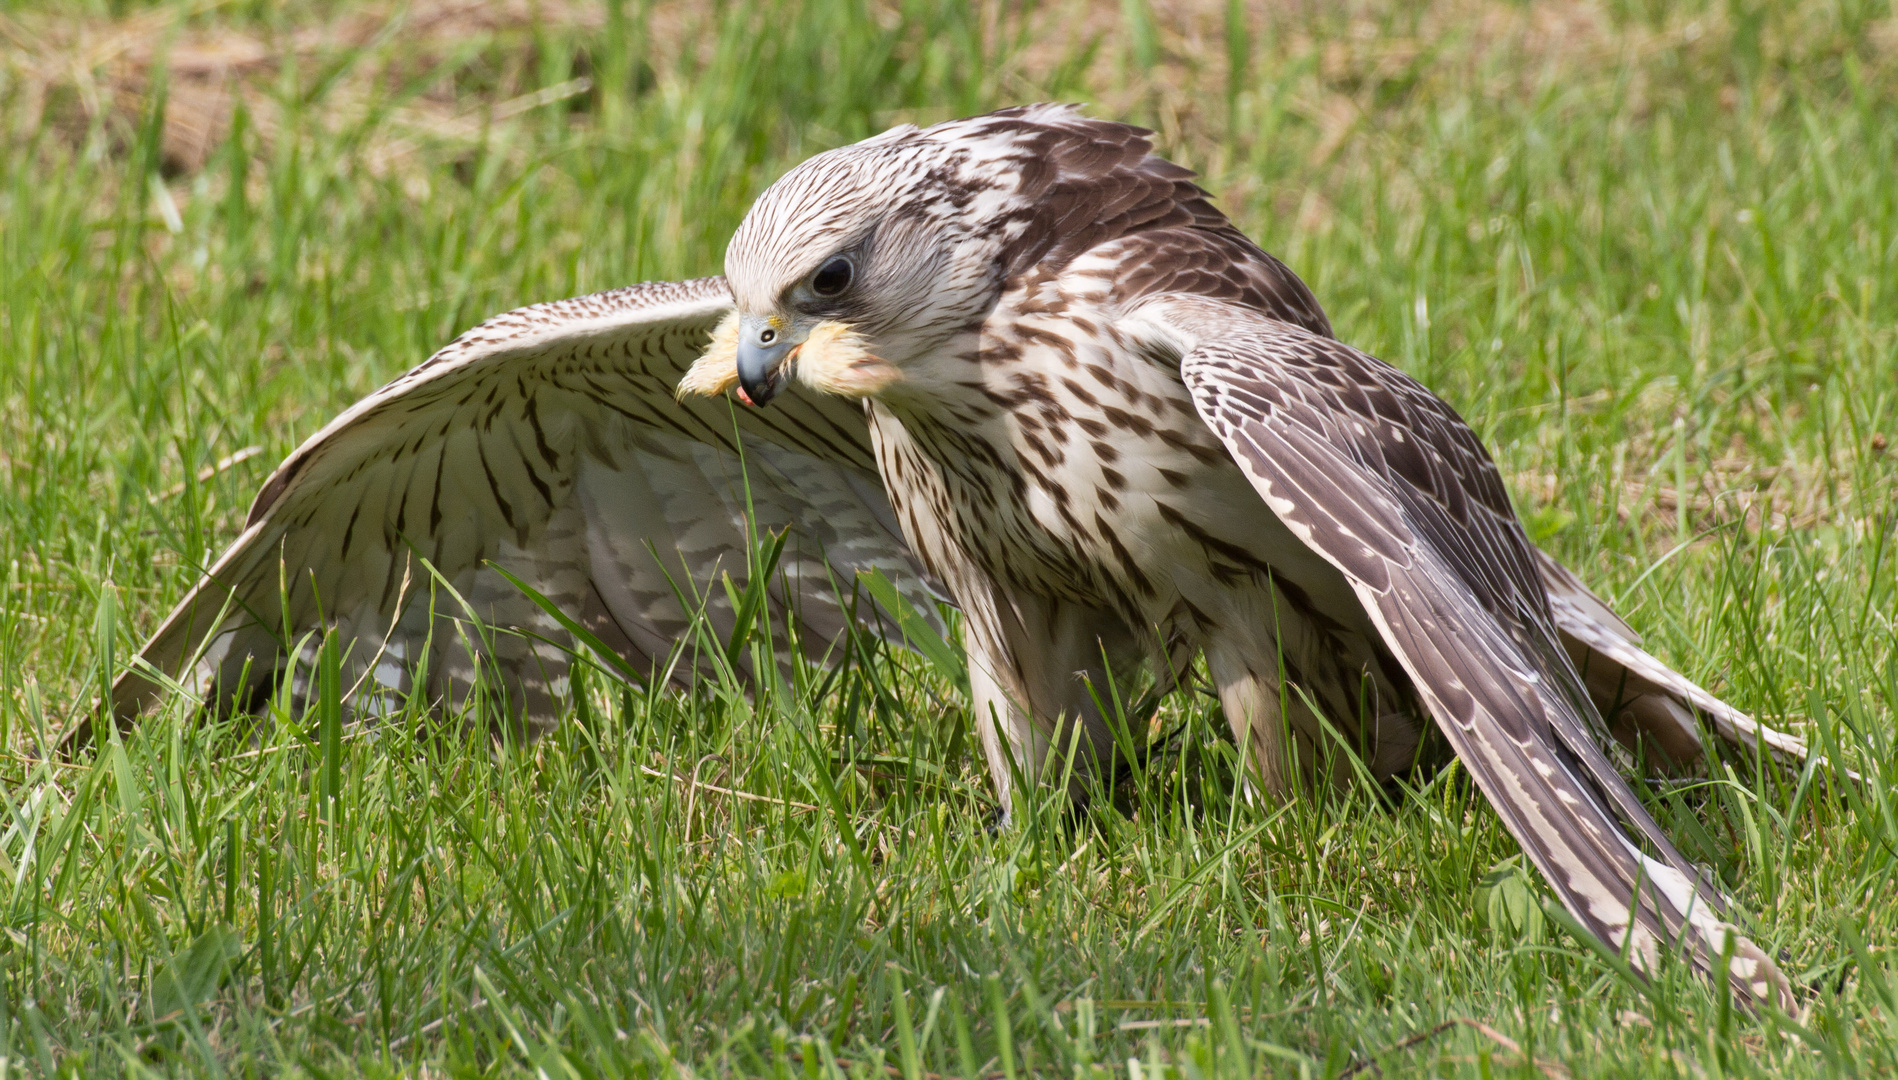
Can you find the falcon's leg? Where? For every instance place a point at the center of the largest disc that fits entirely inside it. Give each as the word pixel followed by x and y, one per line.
pixel 1010 740
pixel 1285 673
pixel 1268 716
pixel 1030 685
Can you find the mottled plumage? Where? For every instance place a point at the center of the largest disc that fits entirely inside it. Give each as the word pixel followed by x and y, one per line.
pixel 1112 429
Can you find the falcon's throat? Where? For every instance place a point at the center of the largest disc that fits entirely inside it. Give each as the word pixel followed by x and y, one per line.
pixel 832 359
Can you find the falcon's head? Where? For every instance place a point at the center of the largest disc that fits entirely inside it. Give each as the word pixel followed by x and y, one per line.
pixel 857 266
pixel 863 260
pixel 854 263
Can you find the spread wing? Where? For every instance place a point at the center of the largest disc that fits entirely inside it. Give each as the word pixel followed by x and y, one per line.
pixel 546 440
pixel 1388 484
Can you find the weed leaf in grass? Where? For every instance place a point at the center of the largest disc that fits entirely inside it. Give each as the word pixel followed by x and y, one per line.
pixel 195 973
pixel 948 660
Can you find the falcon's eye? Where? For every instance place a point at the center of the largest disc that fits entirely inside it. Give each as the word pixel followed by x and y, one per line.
pixel 832 278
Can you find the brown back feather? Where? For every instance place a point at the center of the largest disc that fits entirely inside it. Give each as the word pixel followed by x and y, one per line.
pixel 1086 183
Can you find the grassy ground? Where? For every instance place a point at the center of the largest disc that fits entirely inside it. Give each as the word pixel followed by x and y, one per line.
pixel 1650 249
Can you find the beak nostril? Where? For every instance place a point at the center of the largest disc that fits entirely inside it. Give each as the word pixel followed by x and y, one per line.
pixel 767 336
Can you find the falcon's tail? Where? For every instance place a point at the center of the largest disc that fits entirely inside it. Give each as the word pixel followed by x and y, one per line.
pixel 1639 696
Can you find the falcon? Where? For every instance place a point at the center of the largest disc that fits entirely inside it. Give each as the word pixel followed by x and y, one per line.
pixel 1020 363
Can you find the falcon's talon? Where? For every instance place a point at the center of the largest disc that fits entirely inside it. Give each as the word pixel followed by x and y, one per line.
pixel 1113 428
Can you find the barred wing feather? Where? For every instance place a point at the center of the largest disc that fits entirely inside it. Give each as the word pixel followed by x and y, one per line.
pixel 545 440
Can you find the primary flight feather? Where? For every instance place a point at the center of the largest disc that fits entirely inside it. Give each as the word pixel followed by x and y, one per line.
pixel 1021 361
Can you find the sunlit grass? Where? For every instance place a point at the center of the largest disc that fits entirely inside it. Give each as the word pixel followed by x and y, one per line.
pixel 1648 249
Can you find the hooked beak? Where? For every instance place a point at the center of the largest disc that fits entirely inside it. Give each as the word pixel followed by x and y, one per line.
pixel 762 351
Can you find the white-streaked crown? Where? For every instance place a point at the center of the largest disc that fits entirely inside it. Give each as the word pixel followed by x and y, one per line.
pixel 926 210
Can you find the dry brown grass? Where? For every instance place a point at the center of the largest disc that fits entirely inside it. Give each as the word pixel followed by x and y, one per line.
pixel 84 75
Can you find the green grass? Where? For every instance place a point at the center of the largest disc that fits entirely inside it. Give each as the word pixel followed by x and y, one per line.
pixel 1650 250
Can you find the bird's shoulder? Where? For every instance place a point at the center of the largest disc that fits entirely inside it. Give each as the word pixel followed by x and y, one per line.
pixel 1088 207
pixel 1401 442
pixel 1219 264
